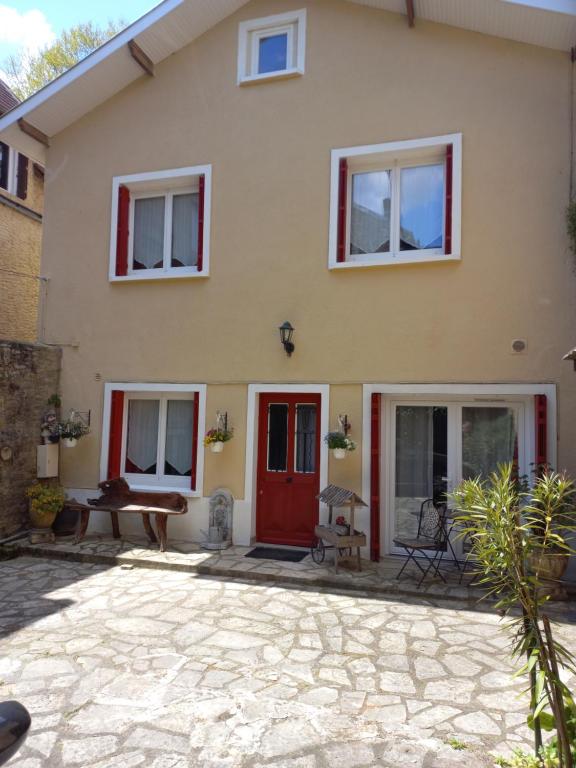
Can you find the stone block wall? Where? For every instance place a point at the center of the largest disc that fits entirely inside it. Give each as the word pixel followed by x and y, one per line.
pixel 29 375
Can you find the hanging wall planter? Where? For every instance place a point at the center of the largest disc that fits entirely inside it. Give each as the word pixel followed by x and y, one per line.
pixel 217 446
pixel 69 442
pixel 339 453
pixel 340 444
pixel 215 438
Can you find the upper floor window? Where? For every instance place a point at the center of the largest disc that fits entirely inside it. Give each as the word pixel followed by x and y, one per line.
pixel 272 47
pixel 160 224
pixel 396 203
pixel 13 171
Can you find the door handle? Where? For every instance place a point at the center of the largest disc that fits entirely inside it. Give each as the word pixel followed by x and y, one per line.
pixel 289 479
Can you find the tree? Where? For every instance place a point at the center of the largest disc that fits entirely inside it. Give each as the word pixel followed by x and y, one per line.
pixel 28 72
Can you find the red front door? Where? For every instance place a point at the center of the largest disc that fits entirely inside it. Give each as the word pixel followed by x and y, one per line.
pixel 288 468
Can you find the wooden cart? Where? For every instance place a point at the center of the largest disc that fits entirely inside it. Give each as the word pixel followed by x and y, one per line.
pixel 342 539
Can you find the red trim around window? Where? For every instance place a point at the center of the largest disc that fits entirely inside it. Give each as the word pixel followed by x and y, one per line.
pixel 201 184
pixel 115 437
pixel 375 477
pixel 342 212
pixel 541 422
pixel 448 200
pixel 195 441
pixel 122 231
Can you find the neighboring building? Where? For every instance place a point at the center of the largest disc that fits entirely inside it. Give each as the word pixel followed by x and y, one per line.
pixel 209 169
pixel 21 203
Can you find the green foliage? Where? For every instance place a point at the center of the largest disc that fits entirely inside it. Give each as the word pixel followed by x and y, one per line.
pixel 27 72
pixel 339 440
pixel 73 428
pixel 45 499
pixel 218 436
pixel 54 400
pixel 457 744
pixel 571 224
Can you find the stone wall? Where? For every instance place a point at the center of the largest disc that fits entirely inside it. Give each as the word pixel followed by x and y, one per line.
pixel 29 375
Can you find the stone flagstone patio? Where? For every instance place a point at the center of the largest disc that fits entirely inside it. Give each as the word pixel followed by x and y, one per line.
pixel 126 667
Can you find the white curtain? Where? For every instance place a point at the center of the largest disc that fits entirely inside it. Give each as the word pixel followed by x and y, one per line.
pixel 142 445
pixel 414 451
pixel 149 233
pixel 185 230
pixel 179 426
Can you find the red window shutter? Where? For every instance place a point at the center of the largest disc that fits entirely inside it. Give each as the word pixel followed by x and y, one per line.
pixel 195 441
pixel 122 231
pixel 342 209
pixel 375 477
pixel 541 421
pixel 22 177
pixel 200 262
pixel 115 437
pixel 448 200
pixel 4 160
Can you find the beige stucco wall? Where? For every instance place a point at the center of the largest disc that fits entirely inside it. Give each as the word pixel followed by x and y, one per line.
pixel 369 79
pixel 20 243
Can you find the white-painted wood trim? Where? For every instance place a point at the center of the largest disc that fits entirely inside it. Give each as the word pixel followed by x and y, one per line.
pixel 247 63
pixel 149 177
pixel 392 149
pixel 252 431
pixel 109 387
pixel 445 391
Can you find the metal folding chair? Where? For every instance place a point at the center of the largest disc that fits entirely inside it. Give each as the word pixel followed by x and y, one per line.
pixel 431 537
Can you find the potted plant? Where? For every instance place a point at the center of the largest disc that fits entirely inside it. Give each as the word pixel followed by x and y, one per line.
pixel 215 439
pixel 340 444
pixel 46 500
pixel 71 431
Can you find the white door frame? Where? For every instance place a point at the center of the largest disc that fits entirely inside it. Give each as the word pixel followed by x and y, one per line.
pixel 488 392
pixel 254 390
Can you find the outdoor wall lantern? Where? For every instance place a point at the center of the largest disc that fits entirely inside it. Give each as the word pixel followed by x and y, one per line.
pixel 286 332
pixel 571 356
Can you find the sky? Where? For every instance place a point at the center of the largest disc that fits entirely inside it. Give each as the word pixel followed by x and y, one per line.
pixel 32 24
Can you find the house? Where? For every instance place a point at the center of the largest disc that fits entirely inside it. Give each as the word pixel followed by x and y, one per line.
pixel 21 202
pixel 214 171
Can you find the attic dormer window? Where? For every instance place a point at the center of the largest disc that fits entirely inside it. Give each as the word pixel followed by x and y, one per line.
pixel 272 47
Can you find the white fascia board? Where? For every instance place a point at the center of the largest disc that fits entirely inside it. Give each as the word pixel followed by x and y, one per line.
pixel 567 7
pixel 94 58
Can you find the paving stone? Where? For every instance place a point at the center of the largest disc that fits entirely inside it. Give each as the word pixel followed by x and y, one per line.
pixel 87 749
pixel 477 722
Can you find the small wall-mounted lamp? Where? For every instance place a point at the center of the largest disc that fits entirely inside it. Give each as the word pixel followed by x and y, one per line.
pixel 286 332
pixel 344 424
pixel 571 356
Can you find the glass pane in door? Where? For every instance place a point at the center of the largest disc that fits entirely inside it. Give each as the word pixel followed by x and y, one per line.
pixel 305 438
pixel 489 438
pixel 277 437
pixel 421 462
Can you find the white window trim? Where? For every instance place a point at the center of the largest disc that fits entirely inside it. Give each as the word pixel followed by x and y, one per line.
pixel 249 34
pixel 160 177
pixel 151 389
pixel 367 153
pixel 12 180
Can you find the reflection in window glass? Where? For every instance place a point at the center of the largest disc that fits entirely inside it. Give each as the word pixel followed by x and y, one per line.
pixel 185 230
pixel 305 438
pixel 277 437
pixel 273 53
pixel 488 439
pixel 421 207
pixel 370 213
pixel 179 427
pixel 148 233
pixel 142 440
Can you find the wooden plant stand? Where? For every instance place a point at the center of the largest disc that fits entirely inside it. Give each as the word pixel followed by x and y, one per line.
pixel 342 543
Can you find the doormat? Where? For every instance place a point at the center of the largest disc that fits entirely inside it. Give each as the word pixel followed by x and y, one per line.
pixel 273 553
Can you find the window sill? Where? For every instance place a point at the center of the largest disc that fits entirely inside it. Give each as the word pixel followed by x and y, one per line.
pixel 284 74
pixel 134 278
pixel 391 261
pixel 187 492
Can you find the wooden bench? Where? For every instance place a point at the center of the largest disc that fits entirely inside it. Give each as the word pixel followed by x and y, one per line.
pixel 118 498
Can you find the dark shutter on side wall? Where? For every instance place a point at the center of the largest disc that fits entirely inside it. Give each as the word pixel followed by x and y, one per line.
pixel 195 441
pixel 4 159
pixel 122 231
pixel 22 178
pixel 115 437
pixel 541 422
pixel 375 477
pixel 201 184
pixel 448 200
pixel 342 210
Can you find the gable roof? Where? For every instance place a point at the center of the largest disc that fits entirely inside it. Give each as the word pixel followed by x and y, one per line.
pixel 7 98
pixel 173 24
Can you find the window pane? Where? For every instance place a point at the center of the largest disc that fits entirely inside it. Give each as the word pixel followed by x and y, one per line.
pixel 277 437
pixel 305 438
pixel 421 207
pixel 370 213
pixel 179 427
pixel 142 441
pixel 273 53
pixel 185 230
pixel 488 439
pixel 149 233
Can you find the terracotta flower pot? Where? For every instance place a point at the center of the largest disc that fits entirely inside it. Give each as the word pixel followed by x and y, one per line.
pixel 549 566
pixel 39 518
